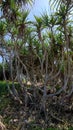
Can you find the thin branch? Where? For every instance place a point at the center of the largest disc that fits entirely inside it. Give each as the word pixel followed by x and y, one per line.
pixel 60 90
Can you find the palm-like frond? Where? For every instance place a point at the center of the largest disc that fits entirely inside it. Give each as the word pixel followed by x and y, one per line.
pixel 23 16
pixel 38 25
pixel 48 21
pixel 55 3
pixel 58 3
pixel 25 1
pixel 45 19
pixel 38 21
pixel 64 9
pixel 12 4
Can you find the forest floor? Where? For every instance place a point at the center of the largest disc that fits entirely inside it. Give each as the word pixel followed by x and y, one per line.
pixel 20 117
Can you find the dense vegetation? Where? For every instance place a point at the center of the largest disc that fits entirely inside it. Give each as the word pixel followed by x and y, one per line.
pixel 37 58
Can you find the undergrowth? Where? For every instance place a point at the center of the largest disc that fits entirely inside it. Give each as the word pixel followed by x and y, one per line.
pixel 12 112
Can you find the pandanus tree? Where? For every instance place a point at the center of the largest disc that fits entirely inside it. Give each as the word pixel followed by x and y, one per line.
pixel 65 10
pixel 13 26
pixel 42 49
pixel 63 15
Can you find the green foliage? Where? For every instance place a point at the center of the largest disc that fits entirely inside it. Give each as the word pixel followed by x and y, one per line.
pixel 71 128
pixel 4 89
pixel 12 4
pixel 45 20
pixel 2 27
